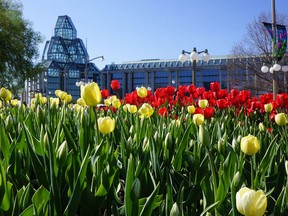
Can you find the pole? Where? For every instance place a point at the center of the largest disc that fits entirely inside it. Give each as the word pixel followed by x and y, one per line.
pixel 194 72
pixel 86 70
pixel 275 75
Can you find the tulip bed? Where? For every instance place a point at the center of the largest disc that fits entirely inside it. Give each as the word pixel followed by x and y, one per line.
pixel 184 151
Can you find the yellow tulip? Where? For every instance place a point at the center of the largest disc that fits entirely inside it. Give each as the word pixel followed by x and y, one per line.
pixel 126 107
pixel 38 95
pixel 146 110
pixel 249 145
pixel 281 119
pixel 116 103
pixel 14 102
pixel 57 92
pixel 68 98
pixel 142 92
pixel 43 100
pixel 191 109
pixel 33 100
pixel 250 202
pixel 1 104
pixel 106 124
pixel 132 109
pixel 268 107
pixel 198 119
pixel 62 95
pixel 54 101
pixel 203 103
pixel 91 94
pixel 3 93
pixel 9 96
pixel 81 102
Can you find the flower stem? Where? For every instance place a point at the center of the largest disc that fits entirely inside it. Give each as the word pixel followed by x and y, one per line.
pixel 252 172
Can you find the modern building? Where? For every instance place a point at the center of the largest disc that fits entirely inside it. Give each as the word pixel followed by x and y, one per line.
pixel 155 73
pixel 67 62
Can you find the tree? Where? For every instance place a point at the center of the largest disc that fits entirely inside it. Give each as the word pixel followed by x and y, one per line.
pixel 18 47
pixel 252 52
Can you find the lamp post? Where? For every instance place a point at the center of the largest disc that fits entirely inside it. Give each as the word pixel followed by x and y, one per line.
pixel 275 68
pixel 86 65
pixel 194 58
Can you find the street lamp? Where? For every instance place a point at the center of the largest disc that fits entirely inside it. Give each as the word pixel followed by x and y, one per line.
pixel 275 69
pixel 86 65
pixel 194 55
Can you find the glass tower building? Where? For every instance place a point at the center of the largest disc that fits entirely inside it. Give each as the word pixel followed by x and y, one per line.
pixel 66 60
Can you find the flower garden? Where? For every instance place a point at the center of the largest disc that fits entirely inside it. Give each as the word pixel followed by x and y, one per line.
pixel 184 151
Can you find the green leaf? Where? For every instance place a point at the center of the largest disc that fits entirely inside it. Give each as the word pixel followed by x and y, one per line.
pixel 28 211
pixel 37 165
pixel 40 198
pixel 130 177
pixel 209 208
pixel 79 186
pixel 4 144
pixel 183 144
pixel 148 207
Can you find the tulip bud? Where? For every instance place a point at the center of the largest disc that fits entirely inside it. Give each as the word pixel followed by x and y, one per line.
pixel 204 137
pixel 174 210
pixel 146 145
pixel 281 119
pixel 235 145
pixel 136 189
pixel 62 153
pixel 131 129
pixel 46 141
pixel 221 146
pixel 168 141
pixel 9 123
pixel 268 107
pixel 156 136
pixel 40 114
pixel 237 180
pixel 261 127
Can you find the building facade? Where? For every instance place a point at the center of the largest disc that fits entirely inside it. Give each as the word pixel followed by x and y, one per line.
pixel 67 63
pixel 155 73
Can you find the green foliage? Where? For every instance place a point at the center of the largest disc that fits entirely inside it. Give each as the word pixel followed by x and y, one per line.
pixel 18 47
pixel 146 166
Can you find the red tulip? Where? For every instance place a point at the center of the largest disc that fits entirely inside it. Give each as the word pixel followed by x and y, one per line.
pixel 208 112
pixel 104 93
pixel 222 103
pixel 215 86
pixel 115 85
pixel 163 111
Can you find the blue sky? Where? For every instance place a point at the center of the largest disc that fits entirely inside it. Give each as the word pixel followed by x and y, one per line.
pixel 128 30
